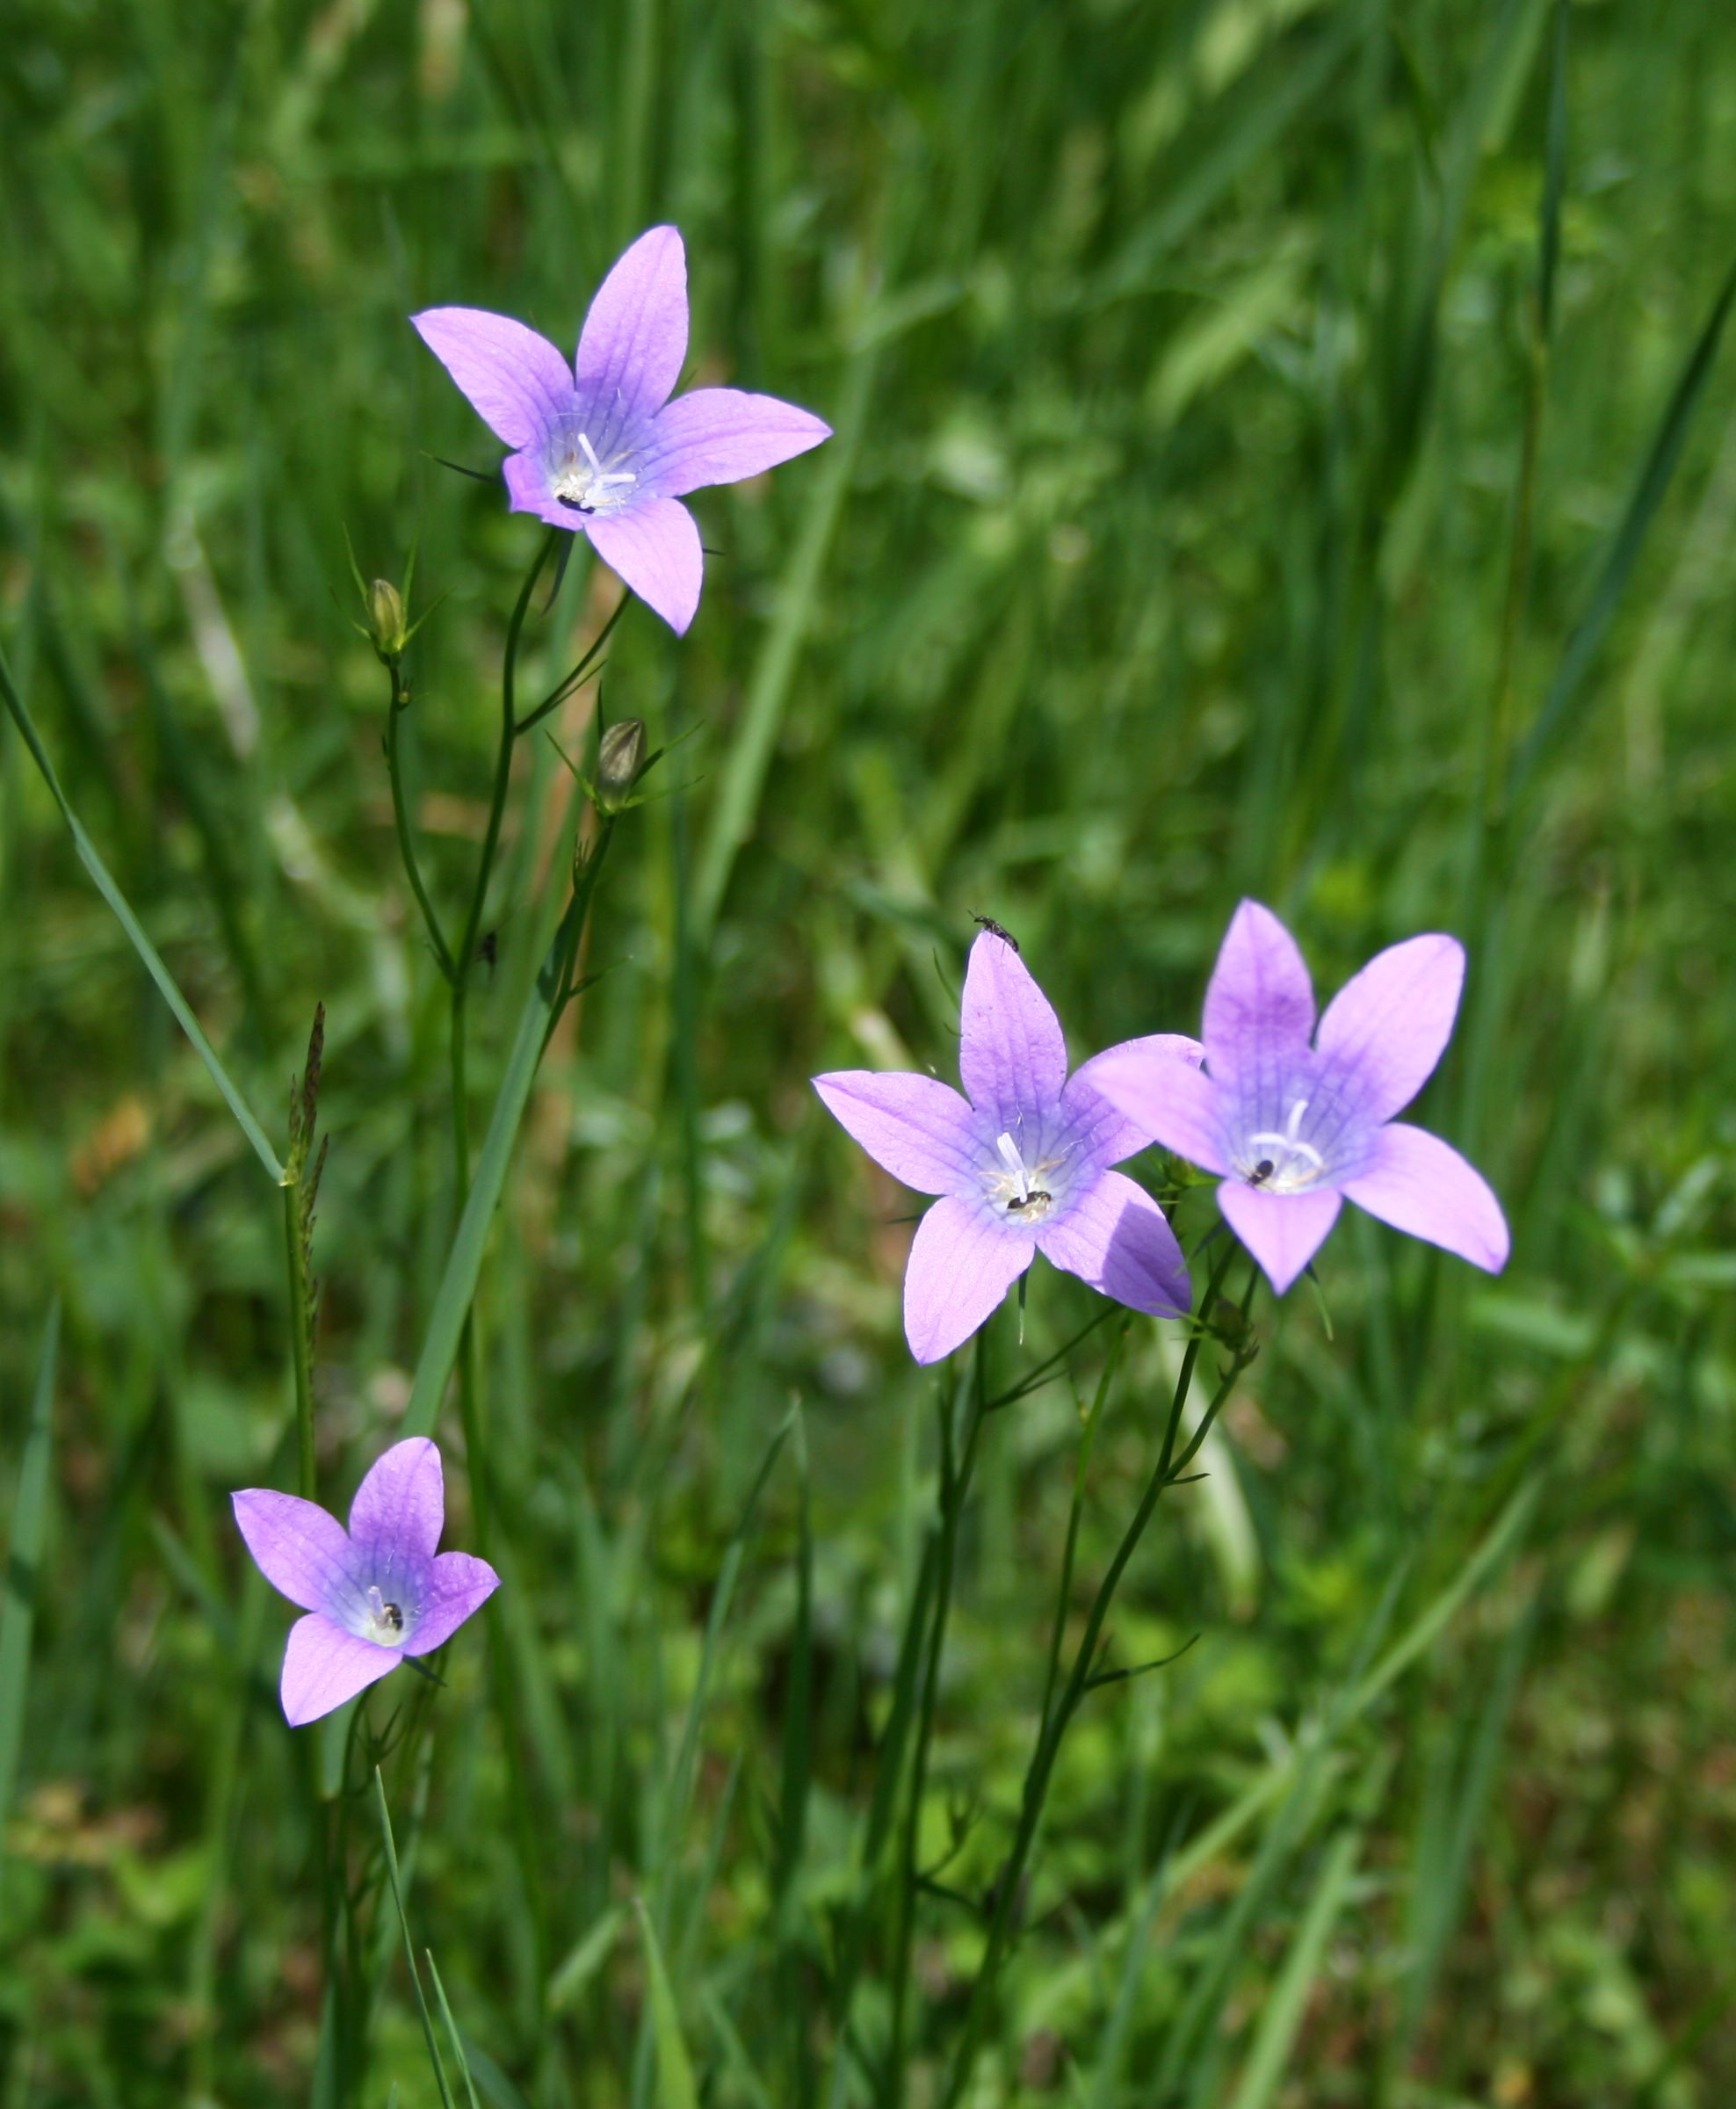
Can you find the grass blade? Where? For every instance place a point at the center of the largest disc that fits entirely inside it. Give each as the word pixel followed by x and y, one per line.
pixel 24 1555
pixel 568 1984
pixel 130 924
pixel 676 2086
pixel 464 1262
pixel 1281 2016
pixel 1623 552
pixel 456 2040
pixel 744 772
pixel 410 1946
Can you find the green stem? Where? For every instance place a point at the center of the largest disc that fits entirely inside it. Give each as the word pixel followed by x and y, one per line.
pixel 509 732
pixel 469 1375
pixel 400 696
pixel 559 695
pixel 301 1338
pixel 954 1485
pixel 1080 1680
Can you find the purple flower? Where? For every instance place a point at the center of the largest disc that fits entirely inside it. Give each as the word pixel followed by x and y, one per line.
pixel 1021 1167
pixel 597 447
pixel 1295 1118
pixel 374 1593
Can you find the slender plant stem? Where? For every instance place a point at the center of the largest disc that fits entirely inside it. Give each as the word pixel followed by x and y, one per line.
pixel 955 1480
pixel 509 732
pixel 1054 1729
pixel 559 695
pixel 301 1340
pixel 400 696
pixel 464 961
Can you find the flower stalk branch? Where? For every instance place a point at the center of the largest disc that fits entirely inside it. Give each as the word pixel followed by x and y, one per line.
pixel 1083 1674
pixel 303 1168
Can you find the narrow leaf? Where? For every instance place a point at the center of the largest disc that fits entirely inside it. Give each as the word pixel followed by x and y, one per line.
pixel 130 924
pixel 23 1557
pixel 676 2087
pixel 1625 547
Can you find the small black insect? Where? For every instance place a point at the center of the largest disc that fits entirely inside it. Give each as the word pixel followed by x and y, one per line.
pixel 573 504
pixel 1017 1206
pixel 994 929
pixel 393 1617
pixel 488 950
pixel 1261 1173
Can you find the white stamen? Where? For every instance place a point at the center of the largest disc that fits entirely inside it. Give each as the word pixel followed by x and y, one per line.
pixel 587 484
pixel 1295 1121
pixel 1014 1164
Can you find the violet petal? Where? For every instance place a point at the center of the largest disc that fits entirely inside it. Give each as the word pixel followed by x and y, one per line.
pixel 1419 1183
pixel 917 1127
pixel 653 547
pixel 458 1585
pixel 719 436
pixel 1011 1055
pixel 634 339
pixel 402 1502
pixel 301 1551
pixel 322 1666
pixel 516 380
pixel 1259 1003
pixel 960 1269
pixel 1390 1022
pixel 1283 1231
pixel 1165 1100
pixel 1105 1131
pixel 1117 1238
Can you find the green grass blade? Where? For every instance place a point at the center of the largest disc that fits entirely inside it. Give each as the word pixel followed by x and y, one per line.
pixel 452 2036
pixel 409 1944
pixel 130 924
pixel 798 1724
pixel 464 1263
pixel 24 1557
pixel 744 771
pixel 568 1984
pixel 676 2086
pixel 680 1789
pixel 1630 537
pixel 1281 2014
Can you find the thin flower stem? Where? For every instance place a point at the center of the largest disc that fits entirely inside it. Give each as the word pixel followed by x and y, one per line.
pixel 955 1479
pixel 1054 1728
pixel 509 732
pixel 301 1337
pixel 559 695
pixel 463 965
pixel 1087 1444
pixel 400 696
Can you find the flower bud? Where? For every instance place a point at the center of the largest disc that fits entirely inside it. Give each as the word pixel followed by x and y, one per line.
pixel 620 756
pixel 387 624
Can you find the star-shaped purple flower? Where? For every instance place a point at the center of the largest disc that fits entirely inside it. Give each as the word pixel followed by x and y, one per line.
pixel 1022 1166
pixel 1295 1120
pixel 597 447
pixel 374 1593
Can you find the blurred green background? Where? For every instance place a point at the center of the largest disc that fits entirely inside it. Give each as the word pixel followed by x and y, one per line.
pixel 1254 473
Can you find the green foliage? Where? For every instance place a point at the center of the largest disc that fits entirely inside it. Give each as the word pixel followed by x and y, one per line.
pixel 1282 447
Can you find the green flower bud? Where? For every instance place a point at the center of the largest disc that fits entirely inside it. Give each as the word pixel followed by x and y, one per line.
pixel 620 756
pixel 387 626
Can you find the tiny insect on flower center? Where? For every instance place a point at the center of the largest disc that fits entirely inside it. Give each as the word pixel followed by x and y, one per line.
pixel 1018 1191
pixel 582 484
pixel 1279 1160
pixel 384 1621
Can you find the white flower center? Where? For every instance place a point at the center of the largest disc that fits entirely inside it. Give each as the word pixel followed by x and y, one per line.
pixel 384 1622
pixel 581 483
pixel 1019 1191
pixel 1282 1163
